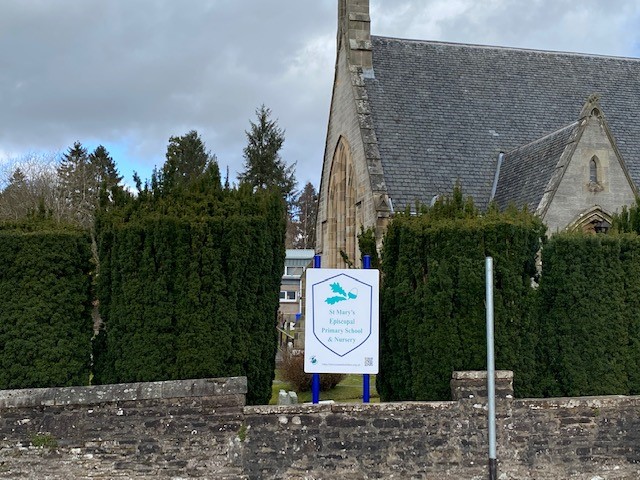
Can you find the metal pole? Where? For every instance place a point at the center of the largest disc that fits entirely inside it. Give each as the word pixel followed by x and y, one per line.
pixel 366 388
pixel 491 371
pixel 315 379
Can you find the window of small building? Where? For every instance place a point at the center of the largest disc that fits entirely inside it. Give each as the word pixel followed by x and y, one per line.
pixel 293 271
pixel 288 295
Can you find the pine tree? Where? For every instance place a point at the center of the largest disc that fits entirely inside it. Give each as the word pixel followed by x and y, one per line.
pixel 14 199
pixel 80 177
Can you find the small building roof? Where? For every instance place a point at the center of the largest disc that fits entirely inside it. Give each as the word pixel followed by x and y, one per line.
pixel 299 254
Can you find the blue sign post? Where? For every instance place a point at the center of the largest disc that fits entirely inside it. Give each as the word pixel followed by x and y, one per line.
pixel 315 379
pixel 366 264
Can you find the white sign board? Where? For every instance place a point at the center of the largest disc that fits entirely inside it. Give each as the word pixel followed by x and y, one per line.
pixel 341 321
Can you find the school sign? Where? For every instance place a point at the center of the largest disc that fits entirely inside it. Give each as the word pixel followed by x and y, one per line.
pixel 342 317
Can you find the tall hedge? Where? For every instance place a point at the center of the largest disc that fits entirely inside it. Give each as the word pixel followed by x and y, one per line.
pixel 433 291
pixel 630 257
pixel 188 287
pixel 590 316
pixel 45 306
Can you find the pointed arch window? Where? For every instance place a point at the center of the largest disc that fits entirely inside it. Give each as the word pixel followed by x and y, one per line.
pixel 595 183
pixel 342 236
pixel 593 169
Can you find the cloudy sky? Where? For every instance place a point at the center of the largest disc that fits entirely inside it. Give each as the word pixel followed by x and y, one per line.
pixel 128 74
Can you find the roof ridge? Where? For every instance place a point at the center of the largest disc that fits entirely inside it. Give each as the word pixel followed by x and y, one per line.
pixel 499 47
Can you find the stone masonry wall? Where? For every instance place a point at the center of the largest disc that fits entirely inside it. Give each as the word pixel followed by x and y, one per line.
pixel 199 429
pixel 183 429
pixel 584 438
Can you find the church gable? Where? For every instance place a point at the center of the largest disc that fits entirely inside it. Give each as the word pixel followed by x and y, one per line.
pixel 595 181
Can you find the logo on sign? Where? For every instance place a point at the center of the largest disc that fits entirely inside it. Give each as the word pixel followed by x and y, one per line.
pixel 341 294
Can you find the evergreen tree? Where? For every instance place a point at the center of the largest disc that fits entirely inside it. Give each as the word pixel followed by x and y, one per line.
pixel 186 161
pixel 45 305
pixel 586 316
pixel 432 319
pixel 263 166
pixel 80 177
pixel 105 169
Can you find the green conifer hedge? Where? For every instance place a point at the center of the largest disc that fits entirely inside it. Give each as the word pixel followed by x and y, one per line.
pixel 589 315
pixel 45 306
pixel 432 297
pixel 188 287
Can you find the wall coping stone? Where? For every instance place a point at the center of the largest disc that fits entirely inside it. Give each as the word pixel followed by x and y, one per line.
pixel 299 408
pixel 481 375
pixel 577 402
pixel 309 408
pixel 90 395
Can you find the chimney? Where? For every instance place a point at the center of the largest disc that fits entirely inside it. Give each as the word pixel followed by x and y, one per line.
pixel 354 29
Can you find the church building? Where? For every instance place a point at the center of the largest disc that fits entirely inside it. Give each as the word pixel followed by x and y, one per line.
pixel 557 132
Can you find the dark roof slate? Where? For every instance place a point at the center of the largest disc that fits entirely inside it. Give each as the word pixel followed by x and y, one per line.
pixel 526 171
pixel 442 112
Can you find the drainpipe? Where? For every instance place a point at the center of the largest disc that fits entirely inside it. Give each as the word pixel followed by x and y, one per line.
pixel 497 177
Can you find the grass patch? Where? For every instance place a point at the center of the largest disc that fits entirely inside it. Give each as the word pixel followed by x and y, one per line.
pixel 44 440
pixel 242 433
pixel 348 390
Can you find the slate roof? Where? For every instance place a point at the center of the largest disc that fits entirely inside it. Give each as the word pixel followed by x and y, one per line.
pixel 444 111
pixel 526 171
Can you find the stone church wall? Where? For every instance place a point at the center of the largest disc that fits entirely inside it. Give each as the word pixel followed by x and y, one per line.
pixel 200 429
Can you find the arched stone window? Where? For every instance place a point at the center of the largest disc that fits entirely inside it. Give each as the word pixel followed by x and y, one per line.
pixel 595 183
pixel 342 234
pixel 593 170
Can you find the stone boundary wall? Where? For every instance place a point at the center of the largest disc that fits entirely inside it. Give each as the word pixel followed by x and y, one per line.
pixel 180 429
pixel 201 429
pixel 570 438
